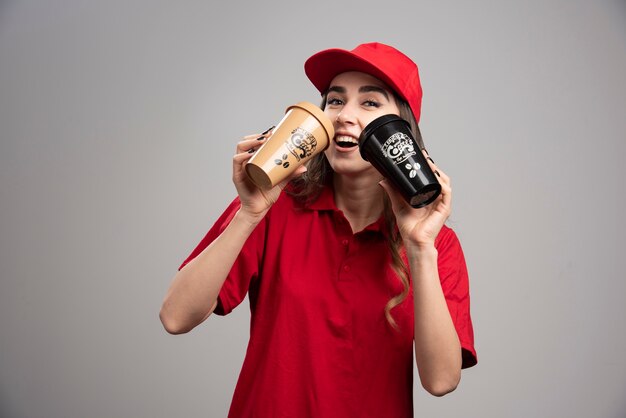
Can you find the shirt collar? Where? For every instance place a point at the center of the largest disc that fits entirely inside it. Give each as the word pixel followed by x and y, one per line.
pixel 326 202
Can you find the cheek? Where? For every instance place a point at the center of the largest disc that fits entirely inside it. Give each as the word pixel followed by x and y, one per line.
pixel 365 120
pixel 368 117
pixel 332 114
pixel 330 153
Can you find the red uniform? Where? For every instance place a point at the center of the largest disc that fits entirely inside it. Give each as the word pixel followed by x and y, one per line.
pixel 320 345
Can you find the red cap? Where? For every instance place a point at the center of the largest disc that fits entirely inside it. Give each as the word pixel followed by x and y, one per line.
pixel 382 61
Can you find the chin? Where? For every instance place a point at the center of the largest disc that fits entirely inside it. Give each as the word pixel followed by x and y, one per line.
pixel 352 168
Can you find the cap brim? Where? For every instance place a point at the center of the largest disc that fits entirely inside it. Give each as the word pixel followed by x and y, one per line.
pixel 322 67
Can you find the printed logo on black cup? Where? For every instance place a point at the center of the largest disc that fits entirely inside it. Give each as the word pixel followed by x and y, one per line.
pixel 301 144
pixel 398 147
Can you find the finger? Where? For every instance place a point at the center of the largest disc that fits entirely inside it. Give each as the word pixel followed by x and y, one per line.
pixel 446 190
pixel 431 163
pixel 429 160
pixel 248 144
pixel 265 134
pixel 242 157
pixel 442 176
pixel 446 196
pixel 239 175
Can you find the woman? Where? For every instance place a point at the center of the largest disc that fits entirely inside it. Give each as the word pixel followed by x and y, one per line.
pixel 347 282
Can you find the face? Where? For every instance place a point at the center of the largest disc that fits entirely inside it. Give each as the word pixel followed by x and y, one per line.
pixel 354 99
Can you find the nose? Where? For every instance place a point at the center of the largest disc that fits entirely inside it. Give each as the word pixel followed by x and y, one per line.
pixel 346 116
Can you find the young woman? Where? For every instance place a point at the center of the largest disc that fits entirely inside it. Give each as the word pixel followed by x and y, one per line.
pixel 347 282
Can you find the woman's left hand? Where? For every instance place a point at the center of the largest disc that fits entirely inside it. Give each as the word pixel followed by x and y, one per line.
pixel 421 226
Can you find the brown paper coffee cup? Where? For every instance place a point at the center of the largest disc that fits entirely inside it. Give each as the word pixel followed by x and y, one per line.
pixel 304 132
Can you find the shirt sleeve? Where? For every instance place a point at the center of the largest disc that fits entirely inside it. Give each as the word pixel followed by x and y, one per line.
pixel 245 269
pixel 455 284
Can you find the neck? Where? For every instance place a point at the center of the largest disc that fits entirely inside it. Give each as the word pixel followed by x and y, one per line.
pixel 359 198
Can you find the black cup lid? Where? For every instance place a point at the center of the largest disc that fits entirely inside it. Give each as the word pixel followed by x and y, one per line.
pixel 375 124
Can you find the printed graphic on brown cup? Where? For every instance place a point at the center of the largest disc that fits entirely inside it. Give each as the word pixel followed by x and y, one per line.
pixel 303 132
pixel 388 144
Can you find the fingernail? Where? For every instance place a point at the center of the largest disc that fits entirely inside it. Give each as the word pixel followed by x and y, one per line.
pixel 251 151
pixel 424 149
pixel 437 173
pixel 431 160
pixel 268 129
pixel 265 133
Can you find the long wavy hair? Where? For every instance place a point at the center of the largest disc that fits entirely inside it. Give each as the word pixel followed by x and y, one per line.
pixel 308 187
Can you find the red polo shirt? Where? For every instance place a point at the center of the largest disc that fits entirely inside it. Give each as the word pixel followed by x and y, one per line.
pixel 320 345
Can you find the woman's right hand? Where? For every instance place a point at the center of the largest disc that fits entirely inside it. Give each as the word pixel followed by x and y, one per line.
pixel 255 202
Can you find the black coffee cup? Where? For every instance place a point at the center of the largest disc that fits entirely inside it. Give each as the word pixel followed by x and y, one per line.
pixel 388 144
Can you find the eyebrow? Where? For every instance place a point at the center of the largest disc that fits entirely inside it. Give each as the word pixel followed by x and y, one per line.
pixel 375 89
pixel 362 89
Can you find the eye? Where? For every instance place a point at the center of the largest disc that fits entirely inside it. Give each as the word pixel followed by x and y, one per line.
pixel 334 101
pixel 371 103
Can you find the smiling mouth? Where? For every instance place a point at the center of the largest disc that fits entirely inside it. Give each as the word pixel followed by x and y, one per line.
pixel 345 141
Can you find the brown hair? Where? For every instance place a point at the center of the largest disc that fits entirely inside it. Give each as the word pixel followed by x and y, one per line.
pixel 308 187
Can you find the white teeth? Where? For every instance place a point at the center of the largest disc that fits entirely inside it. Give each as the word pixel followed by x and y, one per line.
pixel 346 138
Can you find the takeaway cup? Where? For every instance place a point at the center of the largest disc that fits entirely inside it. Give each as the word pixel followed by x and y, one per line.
pixel 303 132
pixel 388 144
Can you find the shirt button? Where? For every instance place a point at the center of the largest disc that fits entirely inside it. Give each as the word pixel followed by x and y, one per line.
pixel 344 242
pixel 346 268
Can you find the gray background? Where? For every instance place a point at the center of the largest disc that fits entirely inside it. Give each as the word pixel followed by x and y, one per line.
pixel 118 121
